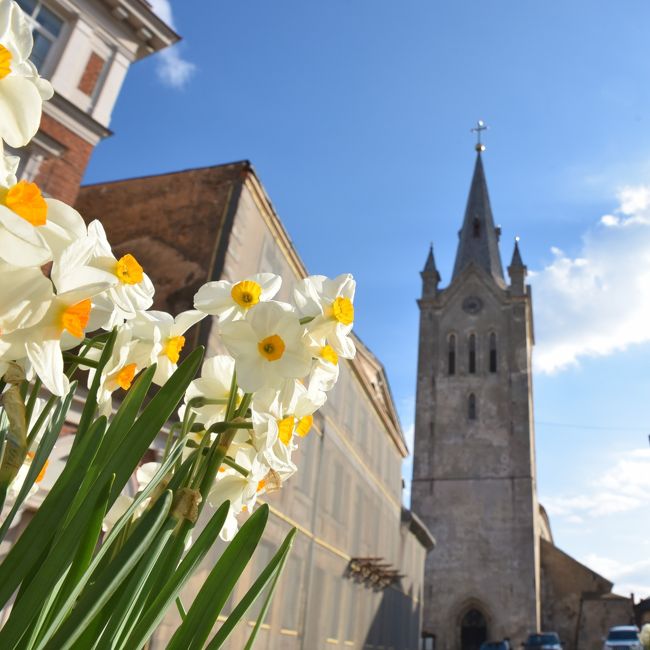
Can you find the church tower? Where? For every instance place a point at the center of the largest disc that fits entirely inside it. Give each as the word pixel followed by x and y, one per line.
pixel 474 479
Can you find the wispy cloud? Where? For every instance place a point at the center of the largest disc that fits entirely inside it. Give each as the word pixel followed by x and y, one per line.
pixel 630 577
pixel 622 488
pixel 173 70
pixel 597 302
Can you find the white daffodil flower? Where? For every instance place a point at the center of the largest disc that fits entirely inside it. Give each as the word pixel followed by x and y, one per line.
pixel 25 297
pixel 63 226
pixel 325 370
pixel 268 346
pixel 213 384
pixel 330 304
pixel 162 333
pixel 22 91
pixel 233 300
pixel 120 370
pixel 8 168
pixel 133 290
pixel 271 450
pixel 23 213
pixel 62 327
pixel 242 491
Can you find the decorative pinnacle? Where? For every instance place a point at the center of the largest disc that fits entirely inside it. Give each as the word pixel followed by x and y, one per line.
pixel 480 126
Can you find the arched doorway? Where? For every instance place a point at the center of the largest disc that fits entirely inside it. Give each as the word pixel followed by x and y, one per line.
pixel 473 630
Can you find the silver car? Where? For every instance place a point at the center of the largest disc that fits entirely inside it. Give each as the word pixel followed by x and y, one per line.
pixel 623 637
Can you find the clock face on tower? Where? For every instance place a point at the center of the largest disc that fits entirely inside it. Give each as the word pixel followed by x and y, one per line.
pixel 472 305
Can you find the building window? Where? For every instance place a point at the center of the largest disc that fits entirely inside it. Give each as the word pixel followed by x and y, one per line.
pixel 493 352
pixel 46 27
pixel 451 355
pixel 476 227
pixel 472 354
pixel 471 407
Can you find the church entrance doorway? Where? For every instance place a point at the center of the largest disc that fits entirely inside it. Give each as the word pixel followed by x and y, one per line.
pixel 473 630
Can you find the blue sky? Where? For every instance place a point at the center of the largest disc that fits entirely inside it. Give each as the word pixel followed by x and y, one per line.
pixel 356 116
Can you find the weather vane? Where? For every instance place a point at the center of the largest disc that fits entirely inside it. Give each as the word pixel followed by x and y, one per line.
pixel 480 126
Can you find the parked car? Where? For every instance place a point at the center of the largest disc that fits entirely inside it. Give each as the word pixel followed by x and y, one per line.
pixel 623 637
pixel 543 641
pixel 495 645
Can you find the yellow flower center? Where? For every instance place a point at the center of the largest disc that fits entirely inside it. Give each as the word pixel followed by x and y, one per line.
pixel 328 353
pixel 26 200
pixel 246 293
pixel 5 61
pixel 128 270
pixel 304 425
pixel 74 318
pixel 261 485
pixel 173 348
pixel 271 348
pixel 285 429
pixel 41 474
pixel 343 310
pixel 124 377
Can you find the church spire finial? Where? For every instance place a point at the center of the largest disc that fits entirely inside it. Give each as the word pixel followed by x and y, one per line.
pixel 479 238
pixel 478 129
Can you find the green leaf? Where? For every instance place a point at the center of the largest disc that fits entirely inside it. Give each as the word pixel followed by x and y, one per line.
pixel 27 550
pixel 90 406
pixel 271 575
pixel 42 454
pixel 156 611
pixel 49 573
pixel 202 615
pixel 92 599
pixel 152 419
pixel 80 562
pixel 132 590
pixel 123 420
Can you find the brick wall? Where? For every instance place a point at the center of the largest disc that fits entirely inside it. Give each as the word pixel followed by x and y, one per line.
pixel 60 177
pixel 90 76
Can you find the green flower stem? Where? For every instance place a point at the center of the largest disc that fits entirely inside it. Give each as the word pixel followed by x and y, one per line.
pixel 306 319
pixel 80 361
pixel 181 609
pixel 31 436
pixel 231 463
pixel 170 439
pixel 243 407
pixel 232 398
pixel 31 402
pixel 220 427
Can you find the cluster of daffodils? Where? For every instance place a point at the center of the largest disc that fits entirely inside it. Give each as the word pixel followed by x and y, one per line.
pixel 279 362
pixel 65 293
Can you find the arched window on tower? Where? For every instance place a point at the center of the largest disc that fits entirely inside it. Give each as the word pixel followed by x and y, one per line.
pixel 471 407
pixel 472 354
pixel 493 352
pixel 476 227
pixel 451 355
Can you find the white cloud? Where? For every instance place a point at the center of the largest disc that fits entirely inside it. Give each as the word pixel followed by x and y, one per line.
pixel 597 302
pixel 629 577
pixel 173 70
pixel 623 488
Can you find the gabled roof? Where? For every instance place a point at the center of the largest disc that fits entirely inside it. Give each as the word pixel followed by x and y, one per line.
pixel 479 240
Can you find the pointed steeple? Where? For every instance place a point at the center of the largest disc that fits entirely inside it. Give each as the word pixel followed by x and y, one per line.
pixel 516 262
pixel 430 275
pixel 479 239
pixel 517 272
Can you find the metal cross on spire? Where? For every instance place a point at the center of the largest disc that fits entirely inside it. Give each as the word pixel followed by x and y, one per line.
pixel 480 126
